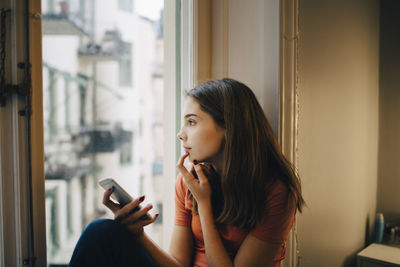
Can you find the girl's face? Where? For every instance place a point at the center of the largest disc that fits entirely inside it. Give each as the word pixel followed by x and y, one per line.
pixel 201 137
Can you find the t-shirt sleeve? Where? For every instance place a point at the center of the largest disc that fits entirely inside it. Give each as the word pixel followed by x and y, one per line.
pixel 183 215
pixel 280 211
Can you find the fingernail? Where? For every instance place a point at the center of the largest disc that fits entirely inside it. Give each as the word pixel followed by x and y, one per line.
pixel 195 162
pixel 141 198
pixel 156 215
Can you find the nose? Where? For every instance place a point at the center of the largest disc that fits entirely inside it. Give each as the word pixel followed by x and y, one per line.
pixel 180 135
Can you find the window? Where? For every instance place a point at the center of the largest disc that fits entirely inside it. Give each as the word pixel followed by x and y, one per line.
pixel 126 150
pixel 125 65
pixel 73 64
pixel 126 5
pixel 94 127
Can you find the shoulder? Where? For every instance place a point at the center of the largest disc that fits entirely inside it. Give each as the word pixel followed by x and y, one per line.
pixel 275 187
pixel 182 193
pixel 279 215
pixel 180 186
pixel 179 179
pixel 278 194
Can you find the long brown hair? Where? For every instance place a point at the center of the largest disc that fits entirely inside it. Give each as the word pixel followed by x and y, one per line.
pixel 252 157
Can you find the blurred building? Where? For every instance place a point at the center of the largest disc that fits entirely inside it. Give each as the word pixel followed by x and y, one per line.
pixel 103 109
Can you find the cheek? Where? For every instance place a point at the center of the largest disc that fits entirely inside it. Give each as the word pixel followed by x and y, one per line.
pixel 206 143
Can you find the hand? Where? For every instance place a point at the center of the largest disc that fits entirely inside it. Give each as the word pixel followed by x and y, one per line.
pixel 200 188
pixel 127 215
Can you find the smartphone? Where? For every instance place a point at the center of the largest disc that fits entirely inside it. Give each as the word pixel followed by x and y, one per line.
pixel 120 195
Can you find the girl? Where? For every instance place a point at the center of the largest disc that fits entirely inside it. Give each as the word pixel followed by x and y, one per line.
pixel 234 206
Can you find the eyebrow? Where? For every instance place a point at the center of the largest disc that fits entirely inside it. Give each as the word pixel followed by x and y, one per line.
pixel 190 114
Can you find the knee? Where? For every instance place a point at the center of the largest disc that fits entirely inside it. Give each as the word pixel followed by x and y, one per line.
pixel 103 228
pixel 94 241
pixel 100 224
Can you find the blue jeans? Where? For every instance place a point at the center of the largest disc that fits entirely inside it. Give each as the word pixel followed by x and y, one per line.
pixel 106 242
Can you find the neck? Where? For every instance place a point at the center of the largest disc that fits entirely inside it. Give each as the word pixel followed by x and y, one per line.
pixel 217 163
pixel 217 166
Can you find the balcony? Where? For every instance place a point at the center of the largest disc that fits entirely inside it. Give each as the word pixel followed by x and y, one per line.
pixel 110 49
pixel 63 163
pixel 71 17
pixel 92 141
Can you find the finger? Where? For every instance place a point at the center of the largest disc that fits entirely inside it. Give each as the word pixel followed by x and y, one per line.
pixel 200 173
pixel 128 208
pixel 193 172
pixel 143 223
pixel 114 207
pixel 180 165
pixel 189 179
pixel 187 176
pixel 147 222
pixel 137 216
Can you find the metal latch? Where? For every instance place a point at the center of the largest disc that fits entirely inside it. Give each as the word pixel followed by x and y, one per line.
pixel 29 261
pixel 10 89
pixel 22 89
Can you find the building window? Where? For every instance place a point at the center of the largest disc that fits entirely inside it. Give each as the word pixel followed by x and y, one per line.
pixel 126 5
pixel 125 65
pixel 157 168
pixel 159 207
pixel 126 149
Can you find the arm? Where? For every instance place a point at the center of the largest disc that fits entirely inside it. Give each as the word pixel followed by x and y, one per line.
pixel 201 190
pixel 180 249
pixel 215 251
pixel 182 242
pixel 252 252
pixel 255 252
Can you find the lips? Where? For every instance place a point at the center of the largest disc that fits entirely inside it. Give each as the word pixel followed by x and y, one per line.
pixel 187 148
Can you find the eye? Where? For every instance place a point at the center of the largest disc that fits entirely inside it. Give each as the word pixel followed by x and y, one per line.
pixel 191 122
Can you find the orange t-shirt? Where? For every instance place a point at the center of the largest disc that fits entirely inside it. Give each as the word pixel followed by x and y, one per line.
pixel 274 227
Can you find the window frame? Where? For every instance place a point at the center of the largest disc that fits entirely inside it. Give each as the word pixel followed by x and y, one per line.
pixel 21 159
pixel 288 101
pixel 178 55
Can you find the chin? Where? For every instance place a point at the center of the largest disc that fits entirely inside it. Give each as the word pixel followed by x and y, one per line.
pixel 200 158
pixel 192 158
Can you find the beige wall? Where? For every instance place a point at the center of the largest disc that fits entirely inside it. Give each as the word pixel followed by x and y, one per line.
pixel 389 144
pixel 338 128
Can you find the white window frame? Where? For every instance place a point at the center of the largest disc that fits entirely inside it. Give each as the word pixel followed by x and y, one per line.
pixel 179 62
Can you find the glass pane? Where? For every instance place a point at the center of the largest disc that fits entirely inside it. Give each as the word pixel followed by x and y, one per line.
pixel 103 109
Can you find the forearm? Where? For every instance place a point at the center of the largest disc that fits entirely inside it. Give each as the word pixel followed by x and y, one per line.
pixel 215 251
pixel 161 257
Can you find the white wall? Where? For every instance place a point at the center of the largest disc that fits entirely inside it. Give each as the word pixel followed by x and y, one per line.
pixel 338 128
pixel 252 47
pixel 254 50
